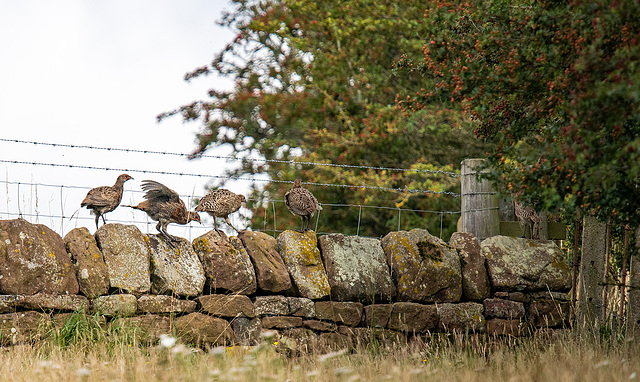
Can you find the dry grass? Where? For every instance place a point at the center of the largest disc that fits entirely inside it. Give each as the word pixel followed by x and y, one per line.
pixel 116 355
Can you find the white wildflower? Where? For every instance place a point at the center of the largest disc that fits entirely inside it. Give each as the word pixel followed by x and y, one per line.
pixel 83 372
pixel 166 341
pixel 328 356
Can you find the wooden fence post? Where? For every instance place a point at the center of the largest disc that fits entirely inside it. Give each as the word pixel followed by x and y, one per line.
pixel 480 203
pixel 633 301
pixel 592 266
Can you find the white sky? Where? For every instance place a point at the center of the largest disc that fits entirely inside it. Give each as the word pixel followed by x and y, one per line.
pixel 97 73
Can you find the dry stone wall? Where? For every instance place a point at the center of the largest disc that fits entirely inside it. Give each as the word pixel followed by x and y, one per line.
pixel 311 292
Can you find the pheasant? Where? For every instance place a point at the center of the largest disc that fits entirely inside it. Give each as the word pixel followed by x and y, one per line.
pixel 103 199
pixel 219 204
pixel 301 202
pixel 526 216
pixel 165 206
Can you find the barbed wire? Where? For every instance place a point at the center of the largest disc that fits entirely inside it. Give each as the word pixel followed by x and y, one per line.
pixel 228 157
pixel 157 172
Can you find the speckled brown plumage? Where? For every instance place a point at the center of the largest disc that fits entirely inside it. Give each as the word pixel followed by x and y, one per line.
pixel 528 217
pixel 219 204
pixel 164 205
pixel 301 202
pixel 101 200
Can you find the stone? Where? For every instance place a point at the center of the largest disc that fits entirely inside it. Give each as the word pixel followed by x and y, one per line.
pixel 148 328
pixel 247 330
pixel 22 327
pixel 162 304
pixel 505 309
pixel 502 327
pixel 58 302
pixel 175 270
pixel 281 322
pixel 301 307
pixel 320 326
pixel 33 259
pixel 227 265
pixel 271 306
pixel 377 315
pixel 271 273
pixel 374 337
pixel 303 261
pixel 413 317
pixel 423 267
pixel 123 305
pixel 465 317
pixel 91 270
pixel 475 280
pixel 550 295
pixel 348 313
pixel 127 257
pixel 333 342
pixel 9 303
pixel 203 330
pixel 356 268
pixel 296 341
pixel 548 314
pixel 221 305
pixel 523 265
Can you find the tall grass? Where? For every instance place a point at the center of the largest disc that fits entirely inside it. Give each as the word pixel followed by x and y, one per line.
pixel 84 348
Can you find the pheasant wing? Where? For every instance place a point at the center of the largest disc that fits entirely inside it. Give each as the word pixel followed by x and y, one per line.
pixel 158 191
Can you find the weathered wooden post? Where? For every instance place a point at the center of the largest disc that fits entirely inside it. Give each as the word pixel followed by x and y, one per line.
pixel 480 203
pixel 592 265
pixel 633 302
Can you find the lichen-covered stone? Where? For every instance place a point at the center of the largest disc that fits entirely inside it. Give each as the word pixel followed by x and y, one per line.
pixel 123 305
pixel 33 259
pixel 356 268
pixel 332 342
pixel 59 302
pixel 475 280
pixel 271 306
pixel 162 304
pixel 9 303
pixel 466 317
pixel 303 261
pixel 247 330
pixel 348 313
pixel 147 328
pixel 281 322
pixel 423 267
pixel 498 308
pixel 175 269
pixel 524 265
pixel 271 273
pixel 203 330
pixel 227 265
pixel 127 257
pixel 22 327
pixel 301 307
pixel 377 315
pixel 413 317
pixel 236 305
pixel 91 270
pixel 296 341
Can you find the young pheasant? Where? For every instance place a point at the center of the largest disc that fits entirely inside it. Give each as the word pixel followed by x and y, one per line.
pixel 301 202
pixel 528 218
pixel 164 205
pixel 101 200
pixel 219 204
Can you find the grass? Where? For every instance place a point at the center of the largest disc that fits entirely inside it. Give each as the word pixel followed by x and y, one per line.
pixel 85 349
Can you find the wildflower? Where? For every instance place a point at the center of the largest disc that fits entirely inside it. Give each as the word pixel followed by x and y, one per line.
pixel 83 372
pixel 328 356
pixel 166 341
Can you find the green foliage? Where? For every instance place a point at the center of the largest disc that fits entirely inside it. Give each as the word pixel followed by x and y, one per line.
pixel 313 82
pixel 554 84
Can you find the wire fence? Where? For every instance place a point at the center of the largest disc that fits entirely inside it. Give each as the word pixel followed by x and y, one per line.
pixel 57 204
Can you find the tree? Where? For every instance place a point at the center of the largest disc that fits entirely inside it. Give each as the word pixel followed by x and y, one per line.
pixel 554 84
pixel 313 83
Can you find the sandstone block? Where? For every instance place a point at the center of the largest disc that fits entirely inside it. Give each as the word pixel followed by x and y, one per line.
pixel 301 307
pixel 303 261
pixel 237 305
pixel 502 327
pixel 203 330
pixel 116 305
pixel 413 317
pixel 377 315
pixel 162 304
pixel 176 269
pixel 423 267
pixel 466 317
pixel 475 280
pixel 247 330
pixel 33 259
pixel 505 309
pixel 91 270
pixel 59 302
pixel 281 322
pixel 271 273
pixel 271 306
pixel 227 265
pixel 22 327
pixel 356 268
pixel 348 313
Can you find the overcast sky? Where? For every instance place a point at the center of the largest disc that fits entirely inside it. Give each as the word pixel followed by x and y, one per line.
pixel 97 73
